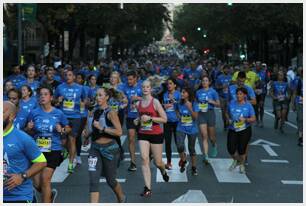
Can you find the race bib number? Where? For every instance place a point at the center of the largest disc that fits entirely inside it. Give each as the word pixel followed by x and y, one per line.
pixel 92 163
pixel 68 105
pixel 44 144
pixel 115 108
pixel 258 91
pixel 203 107
pixel 186 120
pixel 281 97
pixel 82 108
pixel 146 126
pixel 239 126
pixel 300 100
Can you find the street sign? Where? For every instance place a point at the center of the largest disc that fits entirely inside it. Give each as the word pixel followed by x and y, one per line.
pixel 28 12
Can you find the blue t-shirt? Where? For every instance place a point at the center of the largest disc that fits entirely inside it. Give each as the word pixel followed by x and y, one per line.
pixel 233 89
pixel 203 96
pixel 299 96
pixel 224 80
pixel 84 109
pixel 129 92
pixel 19 149
pixel 92 93
pixel 16 79
pixel 235 111
pixel 34 86
pixel 24 110
pixel 45 128
pixel 171 111
pixel 280 90
pixel 186 124
pixel 73 95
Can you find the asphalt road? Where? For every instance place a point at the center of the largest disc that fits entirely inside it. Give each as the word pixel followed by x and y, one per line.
pixel 274 173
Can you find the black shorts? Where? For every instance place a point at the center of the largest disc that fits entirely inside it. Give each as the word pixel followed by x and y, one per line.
pixel 238 141
pixel 130 124
pixel 54 159
pixel 75 124
pixel 260 98
pixel 152 138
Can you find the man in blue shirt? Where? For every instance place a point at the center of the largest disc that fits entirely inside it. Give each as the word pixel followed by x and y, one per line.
pixel 21 160
pixel 133 92
pixel 16 77
pixel 70 97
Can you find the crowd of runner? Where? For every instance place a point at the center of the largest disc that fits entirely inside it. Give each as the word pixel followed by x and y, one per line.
pixel 51 111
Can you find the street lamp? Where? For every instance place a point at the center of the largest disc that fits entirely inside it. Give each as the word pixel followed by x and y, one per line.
pixel 229 4
pixel 204 35
pixel 199 28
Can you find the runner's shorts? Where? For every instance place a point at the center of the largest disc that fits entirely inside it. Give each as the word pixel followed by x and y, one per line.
pixel 152 138
pixel 238 141
pixel 54 158
pixel 130 123
pixel 208 118
pixel 75 124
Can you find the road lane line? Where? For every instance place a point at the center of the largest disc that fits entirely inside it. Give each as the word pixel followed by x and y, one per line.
pixel 118 180
pixel 274 161
pixel 292 182
pixel 174 175
pixel 269 150
pixel 288 123
pixel 192 196
pixel 220 167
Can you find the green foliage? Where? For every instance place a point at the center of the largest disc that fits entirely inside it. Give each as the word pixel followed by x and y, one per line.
pixel 226 25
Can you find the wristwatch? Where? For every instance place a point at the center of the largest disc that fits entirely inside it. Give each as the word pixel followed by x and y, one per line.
pixel 24 176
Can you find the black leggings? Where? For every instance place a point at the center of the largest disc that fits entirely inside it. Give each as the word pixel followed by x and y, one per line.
pixel 238 141
pixel 259 107
pixel 169 129
pixel 79 137
pixel 99 165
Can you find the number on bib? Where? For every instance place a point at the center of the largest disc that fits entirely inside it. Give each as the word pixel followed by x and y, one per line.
pixel 44 144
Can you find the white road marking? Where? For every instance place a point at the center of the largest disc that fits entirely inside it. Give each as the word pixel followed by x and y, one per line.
pixel 264 142
pixel 119 180
pixel 274 161
pixel 60 173
pixel 174 175
pixel 292 182
pixel 192 196
pixel 220 167
pixel 288 123
pixel 269 150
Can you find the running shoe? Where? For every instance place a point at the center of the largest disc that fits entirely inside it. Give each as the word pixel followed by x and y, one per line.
pixel 65 153
pixel 70 168
pixel 78 160
pixel 168 166
pixel 214 151
pixel 182 165
pixel 242 168
pixel 194 171
pixel 132 167
pixel 233 165
pixel 146 192
pixel 165 175
pixel 53 195
pixel 206 159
